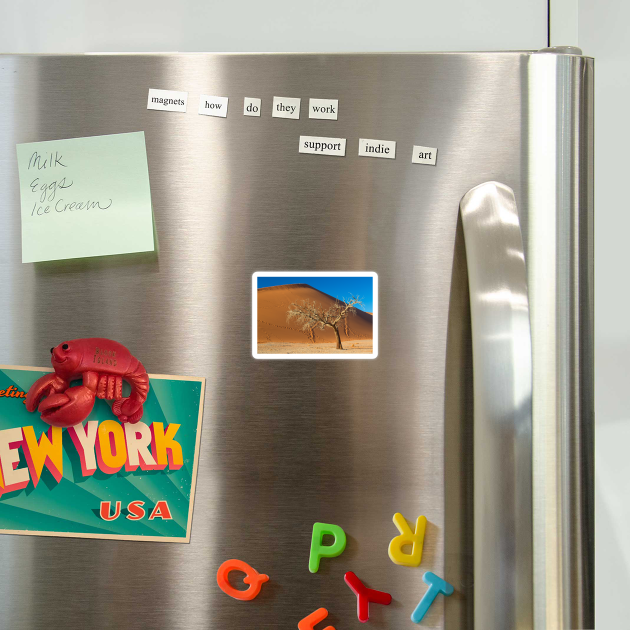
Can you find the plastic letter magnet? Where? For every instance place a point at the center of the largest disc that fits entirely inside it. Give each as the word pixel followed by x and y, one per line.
pixel 319 551
pixel 308 623
pixel 436 586
pixel 407 537
pixel 365 596
pixel 252 577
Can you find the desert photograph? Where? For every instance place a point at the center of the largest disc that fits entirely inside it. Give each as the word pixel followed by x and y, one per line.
pixel 315 315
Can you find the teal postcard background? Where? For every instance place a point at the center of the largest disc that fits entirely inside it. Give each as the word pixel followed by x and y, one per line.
pixel 72 505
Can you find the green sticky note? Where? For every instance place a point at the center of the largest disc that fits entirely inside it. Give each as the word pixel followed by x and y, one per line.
pixel 85 197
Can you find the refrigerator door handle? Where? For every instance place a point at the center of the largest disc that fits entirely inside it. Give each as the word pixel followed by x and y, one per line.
pixel 502 374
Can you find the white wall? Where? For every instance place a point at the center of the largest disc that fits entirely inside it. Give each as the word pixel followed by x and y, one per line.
pixel 270 25
pixel 604 27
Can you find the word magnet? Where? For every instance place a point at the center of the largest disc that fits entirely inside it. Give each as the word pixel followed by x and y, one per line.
pixel 322 146
pixel 323 108
pixel 252 577
pixel 424 155
pixel 285 107
pixel 251 106
pixel 407 537
pixel 167 100
pixel 319 550
pixel 365 595
pixel 213 106
pixel 377 148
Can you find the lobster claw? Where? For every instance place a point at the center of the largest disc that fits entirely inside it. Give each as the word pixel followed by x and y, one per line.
pixel 43 386
pixel 68 408
pixel 127 410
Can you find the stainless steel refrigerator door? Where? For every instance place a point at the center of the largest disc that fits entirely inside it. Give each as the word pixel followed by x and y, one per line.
pixel 284 443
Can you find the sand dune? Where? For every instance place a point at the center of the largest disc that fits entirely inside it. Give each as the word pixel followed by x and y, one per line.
pixel 349 347
pixel 273 303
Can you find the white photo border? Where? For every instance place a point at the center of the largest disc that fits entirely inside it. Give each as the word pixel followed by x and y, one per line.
pixel 315 274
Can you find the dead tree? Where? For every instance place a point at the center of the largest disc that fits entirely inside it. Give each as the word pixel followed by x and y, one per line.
pixel 313 315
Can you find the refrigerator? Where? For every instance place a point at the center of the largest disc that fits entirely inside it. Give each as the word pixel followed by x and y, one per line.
pixel 476 411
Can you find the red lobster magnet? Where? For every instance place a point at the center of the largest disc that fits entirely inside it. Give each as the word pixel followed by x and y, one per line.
pixel 102 364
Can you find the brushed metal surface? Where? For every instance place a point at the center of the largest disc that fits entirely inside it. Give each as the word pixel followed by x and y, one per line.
pixel 284 443
pixel 502 368
pixel 560 275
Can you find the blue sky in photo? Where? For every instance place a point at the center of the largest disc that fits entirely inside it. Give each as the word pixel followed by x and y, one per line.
pixel 338 286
